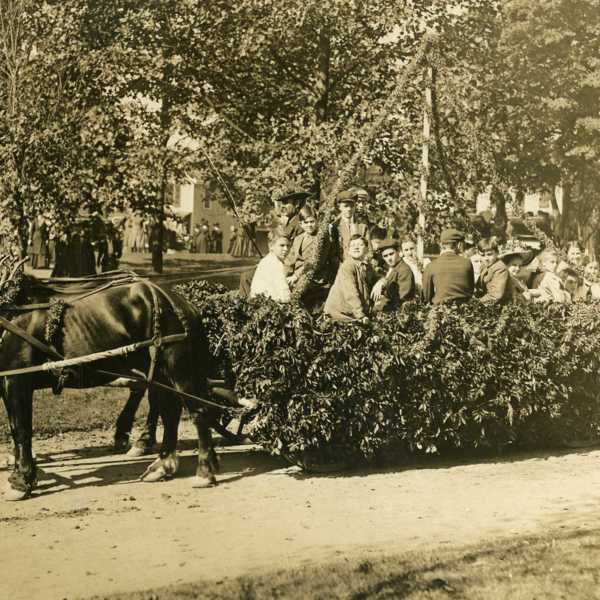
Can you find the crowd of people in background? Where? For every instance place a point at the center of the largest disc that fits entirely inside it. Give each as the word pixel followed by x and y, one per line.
pixel 365 270
pixel 206 239
pixel 96 243
pixel 86 247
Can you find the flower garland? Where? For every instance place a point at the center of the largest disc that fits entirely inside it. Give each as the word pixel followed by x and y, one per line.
pixel 54 321
pixel 366 137
pixel 10 290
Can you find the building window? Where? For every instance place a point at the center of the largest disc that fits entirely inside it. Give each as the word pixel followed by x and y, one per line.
pixel 173 194
pixel 206 200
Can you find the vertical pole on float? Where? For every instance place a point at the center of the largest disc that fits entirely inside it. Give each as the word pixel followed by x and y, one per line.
pixel 424 160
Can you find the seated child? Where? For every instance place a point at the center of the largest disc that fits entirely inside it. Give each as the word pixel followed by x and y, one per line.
pixel 348 299
pixel 270 275
pixel 514 261
pixel 494 285
pixel 303 252
pixel 398 285
pixel 551 287
pixel 589 288
pixel 570 280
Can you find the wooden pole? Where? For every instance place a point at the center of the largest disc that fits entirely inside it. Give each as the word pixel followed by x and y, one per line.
pixel 424 161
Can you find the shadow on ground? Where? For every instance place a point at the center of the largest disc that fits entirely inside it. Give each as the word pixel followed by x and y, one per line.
pixel 84 467
pixel 407 462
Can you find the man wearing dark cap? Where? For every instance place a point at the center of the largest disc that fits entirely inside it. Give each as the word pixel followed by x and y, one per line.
pixel 399 283
pixel 285 222
pixel 449 278
pixel 347 225
pixel 285 216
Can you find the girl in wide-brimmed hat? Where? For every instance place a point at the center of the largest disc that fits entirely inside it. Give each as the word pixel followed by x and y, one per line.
pixel 514 259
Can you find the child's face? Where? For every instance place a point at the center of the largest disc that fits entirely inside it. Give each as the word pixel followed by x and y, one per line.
pixel 591 272
pixel 288 209
pixel 571 284
pixel 409 250
pixel 514 266
pixel 357 249
pixel 550 263
pixel 575 256
pixel 347 209
pixel 490 257
pixel 477 262
pixel 309 225
pixel 391 256
pixel 280 248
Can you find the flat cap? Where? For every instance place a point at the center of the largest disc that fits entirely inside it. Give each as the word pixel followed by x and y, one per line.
pixel 346 196
pixel 388 243
pixel 450 236
pixel 294 197
pixel 352 194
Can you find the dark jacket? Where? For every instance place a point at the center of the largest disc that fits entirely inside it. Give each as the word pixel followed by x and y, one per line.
pixel 494 285
pixel 449 278
pixel 286 226
pixel 348 298
pixel 399 287
pixel 303 251
pixel 341 231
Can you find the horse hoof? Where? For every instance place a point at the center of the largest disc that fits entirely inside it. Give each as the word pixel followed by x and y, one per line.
pixel 13 495
pixel 161 469
pixel 203 482
pixel 7 462
pixel 137 451
pixel 158 474
pixel 121 446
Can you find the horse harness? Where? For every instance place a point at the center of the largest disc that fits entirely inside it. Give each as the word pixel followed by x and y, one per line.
pixel 60 365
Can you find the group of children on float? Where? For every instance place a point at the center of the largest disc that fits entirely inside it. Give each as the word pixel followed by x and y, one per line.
pixel 360 274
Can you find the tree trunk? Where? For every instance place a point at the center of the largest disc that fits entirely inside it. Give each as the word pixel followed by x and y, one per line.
pixel 322 103
pixel 562 218
pixel 165 128
pixel 424 160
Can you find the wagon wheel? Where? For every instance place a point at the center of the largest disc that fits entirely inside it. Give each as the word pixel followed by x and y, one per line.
pixel 239 437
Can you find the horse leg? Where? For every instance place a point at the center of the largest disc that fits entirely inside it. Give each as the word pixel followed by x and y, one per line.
pixel 126 418
pixel 146 441
pixel 208 463
pixel 17 396
pixel 167 463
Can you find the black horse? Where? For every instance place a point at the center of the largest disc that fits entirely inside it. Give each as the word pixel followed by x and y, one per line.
pixel 119 312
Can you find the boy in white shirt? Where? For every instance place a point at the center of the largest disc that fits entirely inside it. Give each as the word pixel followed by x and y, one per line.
pixel 270 275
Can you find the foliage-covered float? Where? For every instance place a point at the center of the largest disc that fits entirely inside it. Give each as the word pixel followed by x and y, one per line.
pixel 424 379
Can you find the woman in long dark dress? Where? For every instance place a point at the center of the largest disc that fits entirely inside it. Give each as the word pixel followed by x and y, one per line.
pixel 61 257
pixel 39 243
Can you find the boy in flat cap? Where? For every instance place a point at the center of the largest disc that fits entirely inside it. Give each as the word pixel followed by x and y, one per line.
pixel 449 278
pixel 398 285
pixel 349 297
pixel 347 224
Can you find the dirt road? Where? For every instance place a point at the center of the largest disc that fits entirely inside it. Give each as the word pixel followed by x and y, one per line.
pixel 91 528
